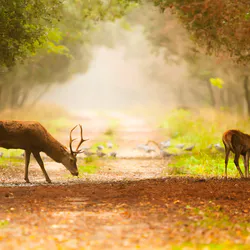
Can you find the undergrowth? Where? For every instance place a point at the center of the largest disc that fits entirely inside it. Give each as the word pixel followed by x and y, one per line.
pixel 201 129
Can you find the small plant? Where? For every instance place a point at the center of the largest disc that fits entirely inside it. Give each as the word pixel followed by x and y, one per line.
pixel 4 223
pixel 175 170
pixel 88 169
pixel 109 132
pixel 89 159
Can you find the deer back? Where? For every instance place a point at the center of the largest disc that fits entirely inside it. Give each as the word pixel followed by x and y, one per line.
pixel 26 135
pixel 236 141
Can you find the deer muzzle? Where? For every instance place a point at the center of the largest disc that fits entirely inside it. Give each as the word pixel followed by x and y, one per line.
pixel 75 173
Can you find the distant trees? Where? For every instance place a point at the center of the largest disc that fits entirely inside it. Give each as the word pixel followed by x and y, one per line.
pixel 177 39
pixel 222 27
pixel 44 42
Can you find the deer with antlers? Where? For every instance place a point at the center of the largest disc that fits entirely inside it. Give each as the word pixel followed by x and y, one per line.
pixel 239 144
pixel 34 138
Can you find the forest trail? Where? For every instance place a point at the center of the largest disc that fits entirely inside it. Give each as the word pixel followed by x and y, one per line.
pixel 147 214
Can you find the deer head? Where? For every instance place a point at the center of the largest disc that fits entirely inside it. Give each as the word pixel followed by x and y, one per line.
pixel 70 161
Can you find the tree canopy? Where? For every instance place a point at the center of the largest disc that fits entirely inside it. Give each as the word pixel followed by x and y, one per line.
pixel 222 27
pixel 24 27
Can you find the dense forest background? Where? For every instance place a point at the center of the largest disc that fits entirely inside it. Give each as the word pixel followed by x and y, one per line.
pixel 45 43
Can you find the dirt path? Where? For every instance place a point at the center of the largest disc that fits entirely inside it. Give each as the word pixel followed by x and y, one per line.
pixel 146 214
pixel 127 204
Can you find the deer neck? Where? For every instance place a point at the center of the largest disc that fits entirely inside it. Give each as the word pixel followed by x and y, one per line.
pixel 57 152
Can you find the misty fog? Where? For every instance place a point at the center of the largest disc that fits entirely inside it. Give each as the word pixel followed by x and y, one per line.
pixel 120 77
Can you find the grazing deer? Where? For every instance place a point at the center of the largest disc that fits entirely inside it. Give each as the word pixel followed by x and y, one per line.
pixel 239 144
pixel 34 138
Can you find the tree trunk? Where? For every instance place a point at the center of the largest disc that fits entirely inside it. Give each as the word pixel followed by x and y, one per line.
pixel 40 95
pixel 23 98
pixel 222 98
pixel 212 98
pixel 246 92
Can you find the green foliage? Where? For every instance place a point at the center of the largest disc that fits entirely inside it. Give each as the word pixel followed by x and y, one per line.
pixel 125 25
pixel 217 82
pixel 24 26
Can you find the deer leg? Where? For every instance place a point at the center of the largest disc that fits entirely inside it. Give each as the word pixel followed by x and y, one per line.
pixel 246 164
pixel 236 162
pixel 226 160
pixel 27 162
pixel 40 162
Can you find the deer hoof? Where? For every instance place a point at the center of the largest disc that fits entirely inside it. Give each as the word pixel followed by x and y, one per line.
pixel 48 180
pixel 27 180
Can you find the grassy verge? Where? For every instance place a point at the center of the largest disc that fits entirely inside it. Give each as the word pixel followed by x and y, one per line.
pixel 200 128
pixel 201 163
pixel 13 161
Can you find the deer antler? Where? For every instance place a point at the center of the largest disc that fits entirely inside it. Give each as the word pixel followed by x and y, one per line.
pixel 70 140
pixel 81 141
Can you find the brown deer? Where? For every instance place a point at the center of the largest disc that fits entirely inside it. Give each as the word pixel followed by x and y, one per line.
pixel 34 138
pixel 239 144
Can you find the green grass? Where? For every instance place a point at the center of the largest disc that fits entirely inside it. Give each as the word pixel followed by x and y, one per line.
pixel 5 162
pixel 201 163
pixel 88 169
pixel 201 128
pixel 4 223
pixel 89 165
pixel 11 157
pixel 16 153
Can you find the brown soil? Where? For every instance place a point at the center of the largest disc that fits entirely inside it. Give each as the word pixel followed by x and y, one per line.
pixel 146 213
